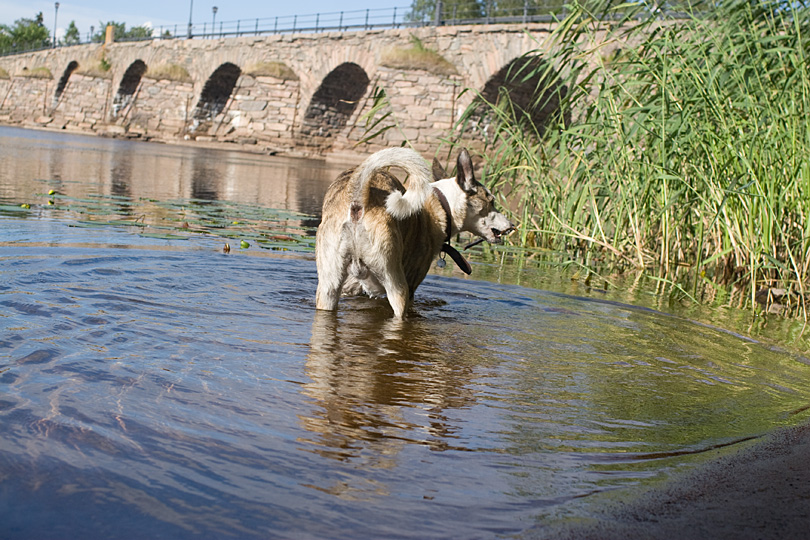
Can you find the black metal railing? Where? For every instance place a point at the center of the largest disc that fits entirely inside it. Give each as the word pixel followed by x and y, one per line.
pixel 337 21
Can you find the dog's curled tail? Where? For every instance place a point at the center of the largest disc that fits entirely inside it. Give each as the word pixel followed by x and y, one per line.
pixel 419 177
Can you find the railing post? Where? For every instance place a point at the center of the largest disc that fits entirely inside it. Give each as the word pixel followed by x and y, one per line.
pixel 295 22
pixel 437 16
pixel 237 28
pixel 275 26
pixel 317 19
pixel 525 11
pixel 340 24
pixel 366 25
pixel 394 22
pixel 257 26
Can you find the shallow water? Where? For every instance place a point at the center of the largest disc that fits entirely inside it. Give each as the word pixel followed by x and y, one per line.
pixel 153 386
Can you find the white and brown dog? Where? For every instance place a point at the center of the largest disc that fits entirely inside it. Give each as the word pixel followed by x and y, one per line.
pixel 378 238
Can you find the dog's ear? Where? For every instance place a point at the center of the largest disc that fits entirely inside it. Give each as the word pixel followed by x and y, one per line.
pixel 438 171
pixel 464 172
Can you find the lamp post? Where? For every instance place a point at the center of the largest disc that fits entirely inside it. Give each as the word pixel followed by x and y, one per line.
pixel 90 40
pixel 190 11
pixel 55 13
pixel 214 22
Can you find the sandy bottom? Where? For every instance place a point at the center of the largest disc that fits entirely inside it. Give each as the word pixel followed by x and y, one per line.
pixel 761 492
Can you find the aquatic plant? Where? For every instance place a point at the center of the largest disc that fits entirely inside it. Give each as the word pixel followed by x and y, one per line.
pixel 686 151
pixel 266 228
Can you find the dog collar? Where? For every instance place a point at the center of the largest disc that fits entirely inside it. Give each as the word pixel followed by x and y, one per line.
pixel 459 259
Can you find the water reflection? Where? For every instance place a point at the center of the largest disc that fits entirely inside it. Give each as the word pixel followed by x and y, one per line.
pixel 78 166
pixel 379 384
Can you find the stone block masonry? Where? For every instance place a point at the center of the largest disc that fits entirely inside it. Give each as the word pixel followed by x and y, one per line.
pixel 304 93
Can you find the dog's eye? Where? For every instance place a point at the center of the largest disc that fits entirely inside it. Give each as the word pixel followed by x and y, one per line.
pixel 476 205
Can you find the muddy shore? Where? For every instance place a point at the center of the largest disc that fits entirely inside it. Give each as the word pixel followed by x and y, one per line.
pixel 762 492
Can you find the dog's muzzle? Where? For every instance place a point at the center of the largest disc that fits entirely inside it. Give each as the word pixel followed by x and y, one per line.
pixel 499 234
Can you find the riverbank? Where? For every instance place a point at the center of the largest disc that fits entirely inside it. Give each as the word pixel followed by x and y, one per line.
pixel 249 146
pixel 761 492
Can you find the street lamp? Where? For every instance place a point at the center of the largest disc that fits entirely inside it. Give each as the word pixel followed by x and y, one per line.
pixel 55 13
pixel 190 11
pixel 214 23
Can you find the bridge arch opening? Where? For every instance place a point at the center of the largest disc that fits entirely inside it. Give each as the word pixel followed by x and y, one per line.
pixel 216 92
pixel 63 81
pixel 332 104
pixel 128 87
pixel 530 87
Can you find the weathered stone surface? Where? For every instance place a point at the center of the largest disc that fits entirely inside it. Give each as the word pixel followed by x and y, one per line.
pixel 290 113
pixel 252 105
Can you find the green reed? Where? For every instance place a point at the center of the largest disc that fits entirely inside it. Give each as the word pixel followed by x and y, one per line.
pixel 686 153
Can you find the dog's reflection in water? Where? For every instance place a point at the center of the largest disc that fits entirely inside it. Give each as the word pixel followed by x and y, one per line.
pixel 380 383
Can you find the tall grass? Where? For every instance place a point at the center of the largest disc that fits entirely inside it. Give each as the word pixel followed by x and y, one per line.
pixel 687 151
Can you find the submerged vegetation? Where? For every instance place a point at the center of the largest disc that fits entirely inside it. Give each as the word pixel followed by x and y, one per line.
pixel 686 155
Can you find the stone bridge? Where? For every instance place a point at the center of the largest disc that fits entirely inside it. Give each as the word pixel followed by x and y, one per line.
pixel 301 92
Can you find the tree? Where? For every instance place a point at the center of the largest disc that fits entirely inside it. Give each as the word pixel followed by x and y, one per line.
pixel 425 10
pixel 121 33
pixel 72 36
pixel 25 34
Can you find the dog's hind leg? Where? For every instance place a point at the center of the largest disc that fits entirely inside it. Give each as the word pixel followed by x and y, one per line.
pixel 396 290
pixel 330 284
pixel 333 269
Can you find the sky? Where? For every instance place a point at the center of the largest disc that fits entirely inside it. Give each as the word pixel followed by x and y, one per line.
pixel 168 13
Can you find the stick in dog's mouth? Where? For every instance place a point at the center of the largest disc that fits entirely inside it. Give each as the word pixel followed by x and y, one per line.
pixel 498 236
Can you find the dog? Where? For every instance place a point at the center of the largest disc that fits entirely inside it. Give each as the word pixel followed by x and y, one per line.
pixel 377 237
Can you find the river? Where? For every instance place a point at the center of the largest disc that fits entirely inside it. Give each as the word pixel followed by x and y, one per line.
pixel 154 384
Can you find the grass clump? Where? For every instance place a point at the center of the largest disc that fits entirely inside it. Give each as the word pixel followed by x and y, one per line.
pixel 37 73
pixel 686 154
pixel 278 70
pixel 417 57
pixel 4 74
pixel 100 70
pixel 168 72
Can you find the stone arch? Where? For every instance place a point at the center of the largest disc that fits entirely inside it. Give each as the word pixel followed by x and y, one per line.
pixel 215 93
pixel 63 81
pixel 128 87
pixel 332 104
pixel 533 90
